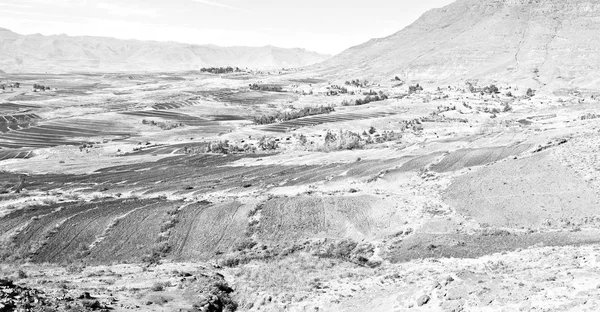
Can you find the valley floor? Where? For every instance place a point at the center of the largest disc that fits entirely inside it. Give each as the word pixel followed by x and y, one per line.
pixel 158 194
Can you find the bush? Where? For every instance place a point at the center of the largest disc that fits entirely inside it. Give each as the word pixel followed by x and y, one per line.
pixel 530 92
pixel 160 286
pixel 413 89
pixel 21 274
pixel 492 89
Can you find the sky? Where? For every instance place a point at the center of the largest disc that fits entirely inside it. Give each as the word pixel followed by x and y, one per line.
pixel 325 26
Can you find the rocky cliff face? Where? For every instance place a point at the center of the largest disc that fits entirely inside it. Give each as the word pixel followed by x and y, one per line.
pixel 37 53
pixel 540 41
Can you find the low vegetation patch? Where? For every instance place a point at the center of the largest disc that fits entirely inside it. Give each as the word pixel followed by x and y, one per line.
pixel 357 83
pixel 163 125
pixel 345 140
pixel 371 97
pixel 266 87
pixel 294 114
pixel 39 87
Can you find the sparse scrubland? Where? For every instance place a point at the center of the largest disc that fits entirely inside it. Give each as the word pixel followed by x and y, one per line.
pixel 435 197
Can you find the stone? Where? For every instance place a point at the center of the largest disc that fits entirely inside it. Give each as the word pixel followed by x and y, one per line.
pixel 423 300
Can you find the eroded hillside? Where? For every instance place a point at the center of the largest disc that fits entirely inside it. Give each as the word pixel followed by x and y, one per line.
pixel 543 42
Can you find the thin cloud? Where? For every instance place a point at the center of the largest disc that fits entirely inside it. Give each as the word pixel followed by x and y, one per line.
pixel 217 4
pixel 23 6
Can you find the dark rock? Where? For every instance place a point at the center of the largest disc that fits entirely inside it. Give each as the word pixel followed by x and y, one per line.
pixel 423 300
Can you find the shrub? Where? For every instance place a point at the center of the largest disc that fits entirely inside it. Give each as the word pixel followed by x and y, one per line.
pixel 21 274
pixel 530 92
pixel 413 89
pixel 491 89
pixel 160 286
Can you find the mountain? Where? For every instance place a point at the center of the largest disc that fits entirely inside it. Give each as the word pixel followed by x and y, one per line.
pixel 61 53
pixel 538 41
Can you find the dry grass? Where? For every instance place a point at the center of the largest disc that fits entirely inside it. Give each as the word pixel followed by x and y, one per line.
pixel 297 275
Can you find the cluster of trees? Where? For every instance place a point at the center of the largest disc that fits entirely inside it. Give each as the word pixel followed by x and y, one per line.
pixel 335 90
pixel 266 87
pixel 221 70
pixel 491 89
pixel 371 97
pixel 226 147
pixel 39 87
pixel 347 140
pixel 295 114
pixel 357 83
pixel 589 116
pixel 12 85
pixel 163 125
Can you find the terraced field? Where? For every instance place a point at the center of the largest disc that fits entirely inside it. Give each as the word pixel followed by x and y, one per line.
pixel 17 122
pixel 16 219
pixel 15 154
pixel 423 246
pixel 171 149
pixel 288 220
pixel 286 126
pixel 173 116
pixel 176 104
pixel 467 158
pixel 73 238
pixel 134 235
pixel 9 108
pixel 245 98
pixel 206 230
pixel 60 132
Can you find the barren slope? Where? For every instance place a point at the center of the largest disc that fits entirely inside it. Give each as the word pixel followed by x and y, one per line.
pixel 506 40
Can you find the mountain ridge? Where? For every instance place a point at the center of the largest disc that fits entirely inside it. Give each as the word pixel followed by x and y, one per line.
pixel 62 53
pixel 532 41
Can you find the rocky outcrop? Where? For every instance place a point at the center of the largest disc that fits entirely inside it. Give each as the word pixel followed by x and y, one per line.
pixel 543 42
pixel 17 298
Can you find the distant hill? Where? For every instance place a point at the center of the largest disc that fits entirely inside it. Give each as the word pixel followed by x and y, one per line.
pixel 60 53
pixel 532 41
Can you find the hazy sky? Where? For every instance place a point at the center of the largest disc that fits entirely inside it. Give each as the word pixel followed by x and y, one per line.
pixel 326 26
